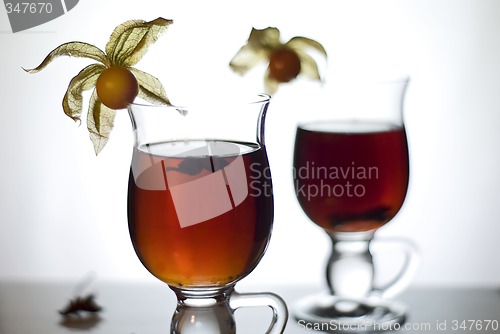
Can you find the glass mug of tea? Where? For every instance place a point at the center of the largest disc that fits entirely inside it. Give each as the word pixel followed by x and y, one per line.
pixel 200 209
pixel 351 173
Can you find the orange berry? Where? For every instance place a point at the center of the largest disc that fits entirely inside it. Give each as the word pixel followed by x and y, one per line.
pixel 284 65
pixel 117 87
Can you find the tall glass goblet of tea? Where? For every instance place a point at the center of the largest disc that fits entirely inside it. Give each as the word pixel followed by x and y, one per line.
pixel 200 207
pixel 351 172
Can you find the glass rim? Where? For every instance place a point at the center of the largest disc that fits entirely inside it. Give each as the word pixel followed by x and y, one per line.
pixel 259 98
pixel 403 78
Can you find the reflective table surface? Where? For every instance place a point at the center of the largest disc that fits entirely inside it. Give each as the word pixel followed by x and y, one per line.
pixel 146 308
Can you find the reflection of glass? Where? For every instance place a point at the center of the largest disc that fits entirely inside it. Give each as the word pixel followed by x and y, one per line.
pixel 351 173
pixel 201 207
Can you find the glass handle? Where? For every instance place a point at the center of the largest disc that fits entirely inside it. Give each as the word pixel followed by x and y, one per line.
pixel 407 271
pixel 275 302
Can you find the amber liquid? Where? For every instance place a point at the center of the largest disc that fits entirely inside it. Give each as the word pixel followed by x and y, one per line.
pixel 350 177
pixel 200 213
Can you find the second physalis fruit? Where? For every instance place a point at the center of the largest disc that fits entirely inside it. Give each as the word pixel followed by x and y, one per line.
pixel 285 61
pixel 114 81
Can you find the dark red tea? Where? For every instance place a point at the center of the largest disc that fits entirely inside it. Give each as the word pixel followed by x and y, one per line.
pixel 200 212
pixel 350 177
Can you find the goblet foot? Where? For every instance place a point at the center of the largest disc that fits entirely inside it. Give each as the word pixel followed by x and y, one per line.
pixel 335 314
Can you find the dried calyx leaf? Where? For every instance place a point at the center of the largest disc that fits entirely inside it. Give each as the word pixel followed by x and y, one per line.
pixel 258 48
pixel 128 43
pixel 150 88
pixel 303 43
pixel 85 80
pixel 72 49
pixel 100 120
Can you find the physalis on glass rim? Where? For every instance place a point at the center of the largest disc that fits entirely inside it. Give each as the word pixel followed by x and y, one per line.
pixel 285 61
pixel 114 80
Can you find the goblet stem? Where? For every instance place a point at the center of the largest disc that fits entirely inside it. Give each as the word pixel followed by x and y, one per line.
pixel 350 270
pixel 205 312
pixel 211 311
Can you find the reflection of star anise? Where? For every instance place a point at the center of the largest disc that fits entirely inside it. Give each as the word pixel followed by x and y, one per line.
pixel 379 214
pixel 196 165
pixel 81 304
pixel 367 219
pixel 86 323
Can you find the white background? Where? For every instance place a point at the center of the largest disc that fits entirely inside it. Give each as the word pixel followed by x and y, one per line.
pixel 63 210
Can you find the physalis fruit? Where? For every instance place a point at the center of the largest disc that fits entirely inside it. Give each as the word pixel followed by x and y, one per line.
pixel 285 60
